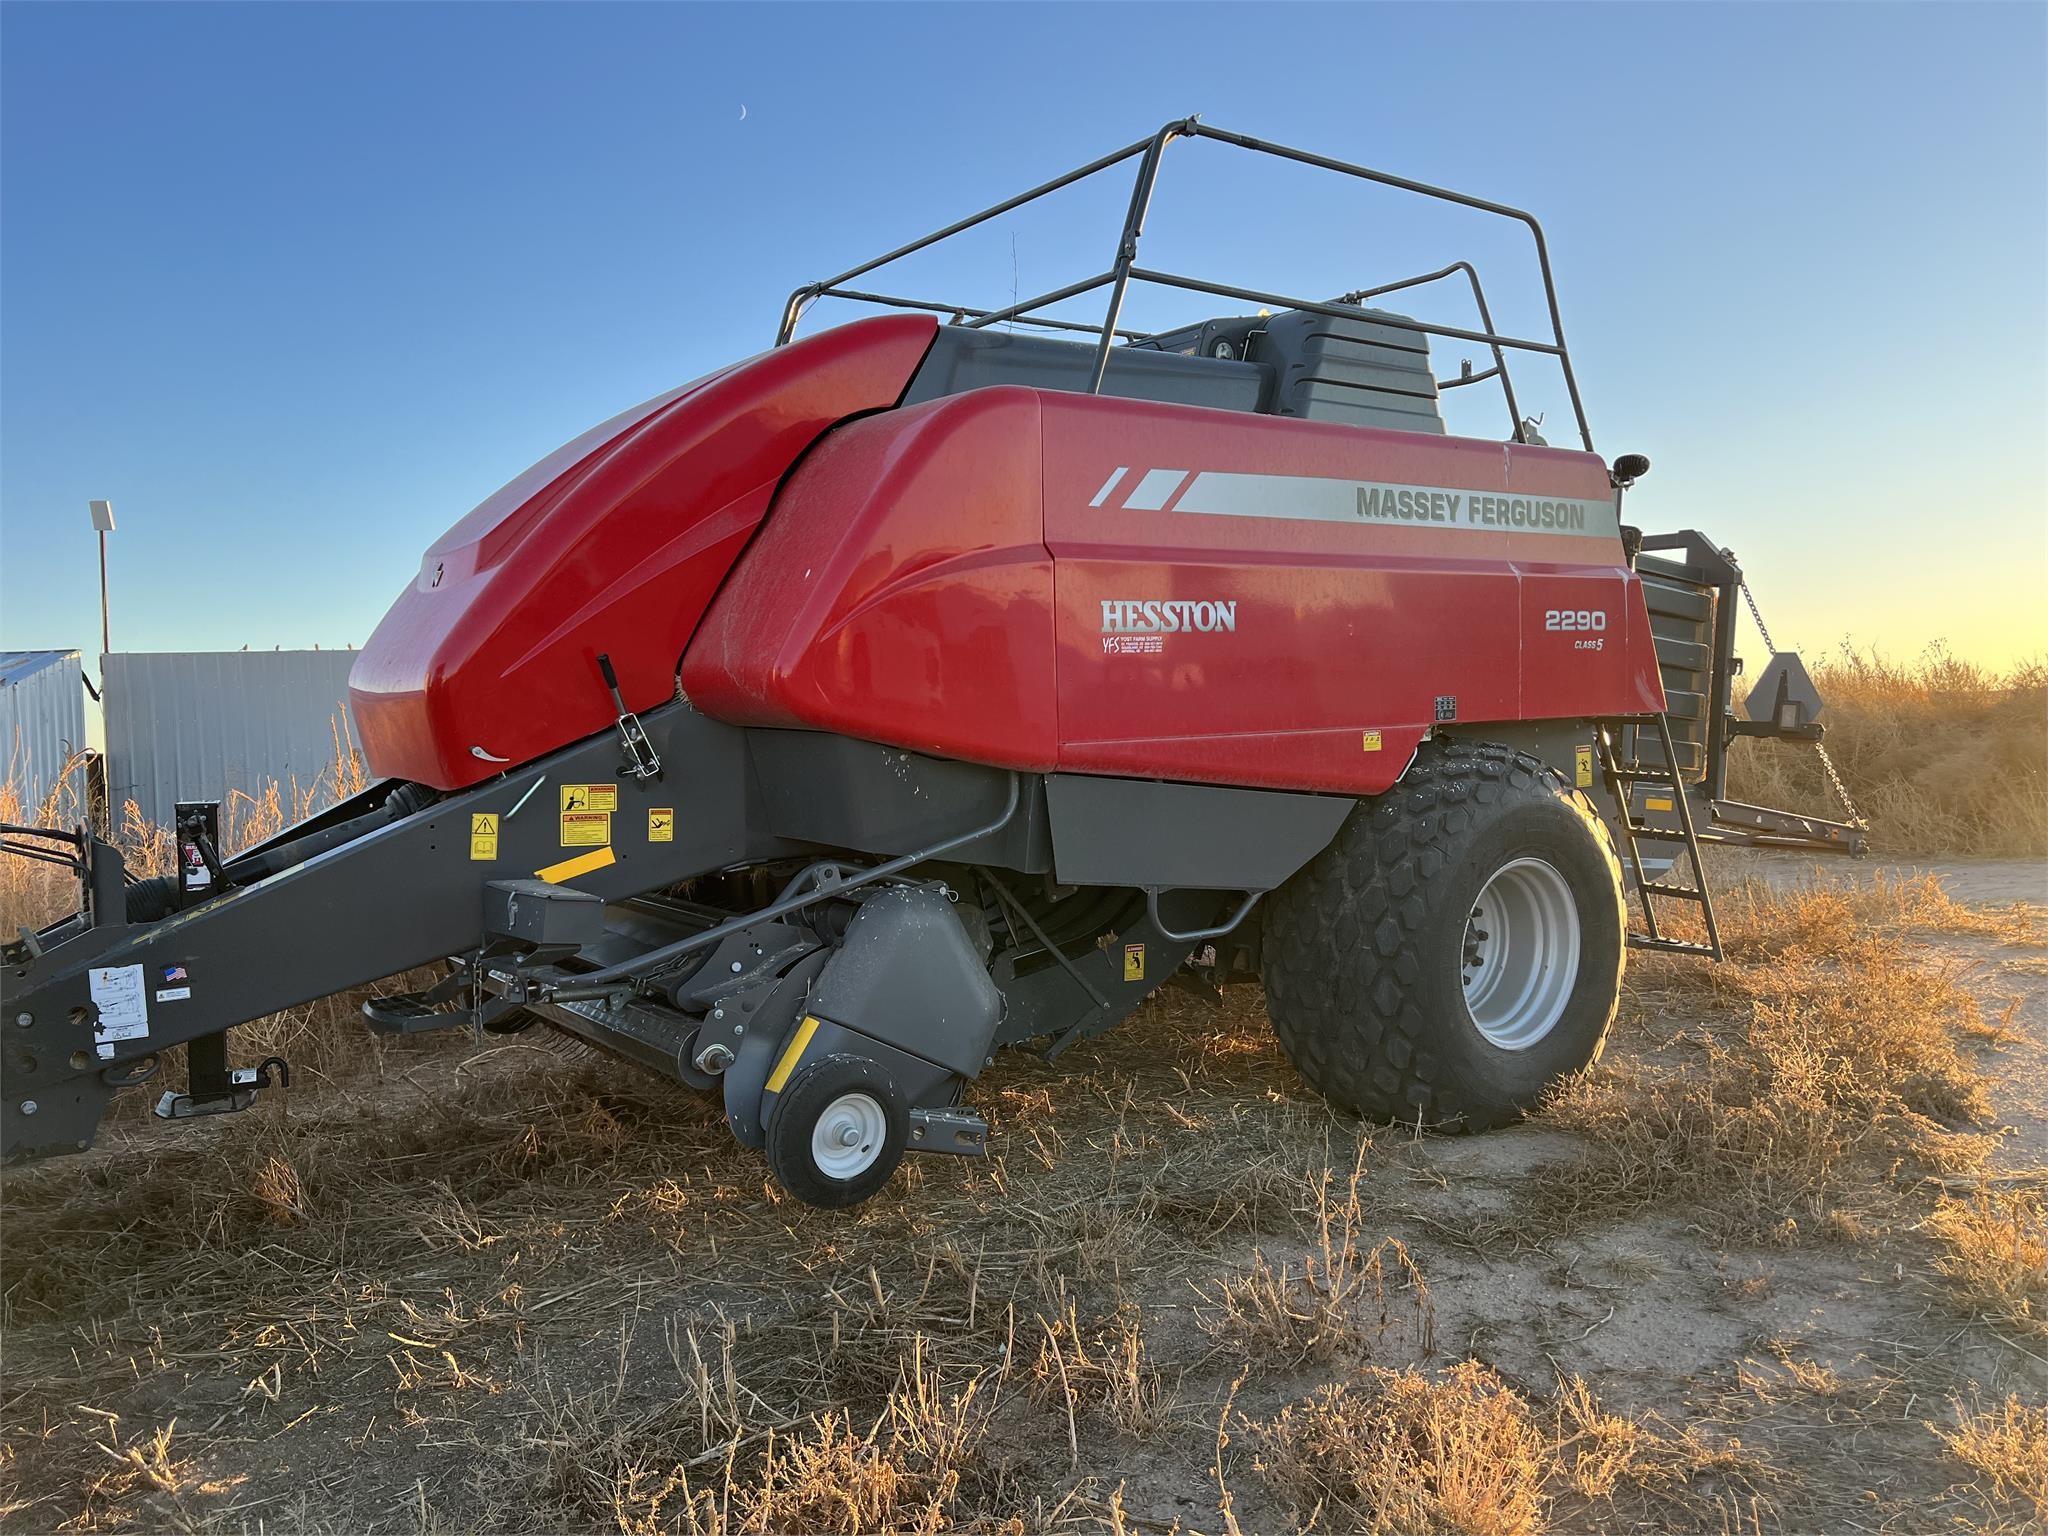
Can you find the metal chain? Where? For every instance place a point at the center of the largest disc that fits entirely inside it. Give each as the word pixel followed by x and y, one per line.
pixel 1841 789
pixel 1758 614
pixel 1834 775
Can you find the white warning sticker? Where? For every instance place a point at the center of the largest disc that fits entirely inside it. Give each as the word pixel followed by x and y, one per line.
pixel 120 996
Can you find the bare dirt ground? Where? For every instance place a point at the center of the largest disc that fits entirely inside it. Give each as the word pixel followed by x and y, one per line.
pixel 1777 1264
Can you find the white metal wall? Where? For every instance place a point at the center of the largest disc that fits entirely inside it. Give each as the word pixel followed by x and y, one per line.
pixel 200 725
pixel 42 720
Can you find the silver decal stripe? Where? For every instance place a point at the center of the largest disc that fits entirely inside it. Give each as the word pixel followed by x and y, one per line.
pixel 1109 485
pixel 1155 490
pixel 1310 498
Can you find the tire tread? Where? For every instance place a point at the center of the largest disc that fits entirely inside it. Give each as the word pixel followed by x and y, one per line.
pixel 1371 1048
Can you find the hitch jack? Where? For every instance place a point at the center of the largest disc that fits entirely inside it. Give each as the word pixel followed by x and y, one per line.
pixel 216 1088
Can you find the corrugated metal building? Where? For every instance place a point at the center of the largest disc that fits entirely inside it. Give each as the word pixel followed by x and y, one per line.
pixel 203 725
pixel 42 720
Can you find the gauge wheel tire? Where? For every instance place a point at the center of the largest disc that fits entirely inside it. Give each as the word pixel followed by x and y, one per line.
pixel 1457 949
pixel 838 1131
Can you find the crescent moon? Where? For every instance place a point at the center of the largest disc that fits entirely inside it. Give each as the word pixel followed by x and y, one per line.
pixel 743 111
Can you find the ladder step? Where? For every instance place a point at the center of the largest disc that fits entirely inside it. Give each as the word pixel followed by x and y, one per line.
pixel 408 1013
pixel 1621 779
pixel 1671 946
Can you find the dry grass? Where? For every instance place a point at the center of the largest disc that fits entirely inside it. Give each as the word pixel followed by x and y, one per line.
pixel 1994 1256
pixel 34 893
pixel 2008 1445
pixel 1836 1072
pixel 1596 1454
pixel 1829 913
pixel 911 1469
pixel 1410 1455
pixel 1104 1370
pixel 537 1291
pixel 526 1288
pixel 1414 1453
pixel 1944 757
pixel 1338 1304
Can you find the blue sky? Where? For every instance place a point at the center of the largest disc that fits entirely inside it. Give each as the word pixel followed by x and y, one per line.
pixel 296 286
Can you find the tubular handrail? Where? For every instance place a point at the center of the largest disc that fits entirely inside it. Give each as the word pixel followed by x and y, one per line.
pixel 1339 311
pixel 1124 269
pixel 792 309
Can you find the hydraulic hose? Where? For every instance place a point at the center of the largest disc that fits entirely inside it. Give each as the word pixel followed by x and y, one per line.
pixel 655 958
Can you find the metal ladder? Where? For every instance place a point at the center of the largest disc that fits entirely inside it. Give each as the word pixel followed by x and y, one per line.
pixel 1622 778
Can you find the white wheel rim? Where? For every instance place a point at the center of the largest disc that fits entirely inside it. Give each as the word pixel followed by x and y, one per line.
pixel 848 1136
pixel 1521 954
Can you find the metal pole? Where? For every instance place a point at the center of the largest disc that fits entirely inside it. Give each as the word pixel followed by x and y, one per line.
pixel 106 645
pixel 793 310
pixel 1127 245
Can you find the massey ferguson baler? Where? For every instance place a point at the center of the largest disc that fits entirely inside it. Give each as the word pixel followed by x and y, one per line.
pixel 920 688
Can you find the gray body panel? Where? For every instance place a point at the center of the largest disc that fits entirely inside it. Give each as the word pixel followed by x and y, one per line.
pixel 842 792
pixel 963 360
pixel 907 973
pixel 1317 367
pixel 1205 836
pixel 1351 371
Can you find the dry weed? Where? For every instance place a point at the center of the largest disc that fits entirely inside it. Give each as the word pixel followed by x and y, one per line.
pixel 1944 756
pixel 1338 1304
pixel 1828 913
pixel 1406 1454
pixel 1104 1369
pixel 914 1469
pixel 1994 1255
pixel 1840 1069
pixel 1597 1454
pixel 33 894
pixel 2007 1444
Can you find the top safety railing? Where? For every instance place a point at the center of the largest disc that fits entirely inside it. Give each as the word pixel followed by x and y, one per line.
pixel 1124 271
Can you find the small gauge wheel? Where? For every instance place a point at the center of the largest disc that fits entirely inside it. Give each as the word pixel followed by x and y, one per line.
pixel 838 1131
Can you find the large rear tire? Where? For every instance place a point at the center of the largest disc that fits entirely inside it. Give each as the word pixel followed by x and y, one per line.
pixel 1456 949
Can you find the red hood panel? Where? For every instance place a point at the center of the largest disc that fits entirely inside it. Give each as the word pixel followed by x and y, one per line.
pixel 614 543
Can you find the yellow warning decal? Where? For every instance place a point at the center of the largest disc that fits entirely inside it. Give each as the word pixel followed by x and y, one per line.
pixel 1134 962
pixel 589 797
pixel 582 864
pixel 661 824
pixel 1582 767
pixel 586 829
pixel 792 1054
pixel 483 835
pixel 1657 803
pixel 1372 741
